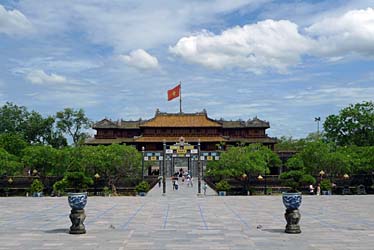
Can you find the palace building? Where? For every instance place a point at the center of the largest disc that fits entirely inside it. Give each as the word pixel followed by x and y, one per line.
pixel 193 127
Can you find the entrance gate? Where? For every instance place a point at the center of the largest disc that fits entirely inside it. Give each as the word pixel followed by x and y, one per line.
pixel 181 155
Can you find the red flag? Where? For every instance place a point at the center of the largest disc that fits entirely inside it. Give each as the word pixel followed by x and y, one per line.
pixel 174 92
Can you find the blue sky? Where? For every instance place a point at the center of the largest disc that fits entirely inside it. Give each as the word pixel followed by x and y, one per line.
pixel 286 62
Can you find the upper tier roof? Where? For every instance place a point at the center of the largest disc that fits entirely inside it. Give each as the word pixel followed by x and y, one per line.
pixel 181 120
pixel 187 120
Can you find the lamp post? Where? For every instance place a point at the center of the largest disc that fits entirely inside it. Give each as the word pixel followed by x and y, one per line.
pixel 317 119
pixel 163 169
pixel 346 189
pixel 97 177
pixel 143 149
pixel 321 174
pixel 198 169
pixel 260 178
pixel 245 179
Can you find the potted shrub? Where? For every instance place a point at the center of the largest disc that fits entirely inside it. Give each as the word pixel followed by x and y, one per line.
pixel 222 187
pixel 326 186
pixel 77 182
pixel 142 188
pixel 107 191
pixel 36 188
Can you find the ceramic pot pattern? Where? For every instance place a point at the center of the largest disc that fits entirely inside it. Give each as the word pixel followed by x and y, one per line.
pixel 292 200
pixel 77 200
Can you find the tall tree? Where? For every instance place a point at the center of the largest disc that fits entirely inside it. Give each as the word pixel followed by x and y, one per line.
pixel 13 143
pixel 31 126
pixel 9 164
pixel 353 126
pixel 112 162
pixel 13 118
pixel 41 158
pixel 243 163
pixel 73 122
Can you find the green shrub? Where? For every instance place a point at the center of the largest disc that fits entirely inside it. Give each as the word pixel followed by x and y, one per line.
pixel 223 185
pixel 326 185
pixel 36 186
pixel 107 191
pixel 77 181
pixel 142 187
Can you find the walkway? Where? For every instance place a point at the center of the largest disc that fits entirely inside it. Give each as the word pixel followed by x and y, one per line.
pixel 181 220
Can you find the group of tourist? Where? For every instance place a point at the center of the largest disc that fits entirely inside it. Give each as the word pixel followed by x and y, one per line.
pixel 184 176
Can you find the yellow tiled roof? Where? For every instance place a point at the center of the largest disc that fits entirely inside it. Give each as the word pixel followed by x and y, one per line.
pixel 181 120
pixel 176 139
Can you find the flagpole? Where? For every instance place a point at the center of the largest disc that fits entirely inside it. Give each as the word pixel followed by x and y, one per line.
pixel 180 98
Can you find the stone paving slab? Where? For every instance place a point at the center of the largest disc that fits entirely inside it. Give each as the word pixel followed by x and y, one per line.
pixel 182 220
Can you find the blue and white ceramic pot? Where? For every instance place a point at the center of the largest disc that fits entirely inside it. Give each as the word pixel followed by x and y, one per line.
pixel 77 201
pixel 292 200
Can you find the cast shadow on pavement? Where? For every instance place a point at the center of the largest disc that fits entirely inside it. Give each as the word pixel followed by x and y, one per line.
pixel 57 231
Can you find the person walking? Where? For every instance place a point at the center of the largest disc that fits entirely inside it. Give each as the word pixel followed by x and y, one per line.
pixel 318 190
pixel 311 189
pixel 176 185
pixel 205 187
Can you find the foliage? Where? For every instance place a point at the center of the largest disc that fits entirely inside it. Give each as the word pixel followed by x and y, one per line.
pixel 73 122
pixel 30 126
pixel 326 185
pixel 360 159
pixel 77 181
pixel 113 162
pixel 13 143
pixel 41 158
pixel 59 187
pixel 36 186
pixel 143 186
pixel 223 185
pixel 13 118
pixel 249 160
pixel 296 177
pixel 107 191
pixel 9 163
pixel 242 161
pixel 353 126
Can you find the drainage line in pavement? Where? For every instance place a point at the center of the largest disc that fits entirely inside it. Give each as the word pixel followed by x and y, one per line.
pixel 101 214
pixel 202 218
pixel 124 226
pixel 166 216
pixel 238 216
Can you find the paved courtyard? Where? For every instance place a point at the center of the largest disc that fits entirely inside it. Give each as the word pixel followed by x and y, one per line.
pixel 181 220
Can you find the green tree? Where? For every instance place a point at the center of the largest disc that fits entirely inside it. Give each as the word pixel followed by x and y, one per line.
pixel 13 118
pixel 41 130
pixel 244 163
pixel 9 164
pixel 360 159
pixel 296 177
pixel 73 122
pixel 41 158
pixel 13 143
pixel 31 126
pixel 113 162
pixel 353 126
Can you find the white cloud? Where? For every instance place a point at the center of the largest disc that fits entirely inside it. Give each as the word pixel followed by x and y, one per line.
pixel 40 77
pixel 266 44
pixel 13 22
pixel 350 33
pixel 127 25
pixel 140 59
pixel 330 95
